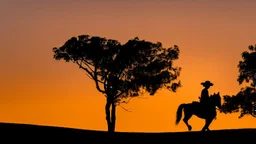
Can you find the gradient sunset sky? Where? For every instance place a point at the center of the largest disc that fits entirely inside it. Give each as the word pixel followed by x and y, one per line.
pixel 36 89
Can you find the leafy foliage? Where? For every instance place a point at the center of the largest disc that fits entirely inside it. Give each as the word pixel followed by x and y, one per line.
pixel 247 67
pixel 243 102
pixel 123 70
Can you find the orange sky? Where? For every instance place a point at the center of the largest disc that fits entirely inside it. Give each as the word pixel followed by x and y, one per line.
pixel 37 89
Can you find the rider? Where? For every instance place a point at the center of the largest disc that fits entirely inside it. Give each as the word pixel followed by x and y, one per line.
pixel 204 99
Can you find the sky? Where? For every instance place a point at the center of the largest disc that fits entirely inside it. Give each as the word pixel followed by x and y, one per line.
pixel 36 89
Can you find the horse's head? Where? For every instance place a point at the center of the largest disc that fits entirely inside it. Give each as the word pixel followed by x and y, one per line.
pixel 216 99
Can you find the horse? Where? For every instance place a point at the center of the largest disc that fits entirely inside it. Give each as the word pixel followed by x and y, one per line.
pixel 196 108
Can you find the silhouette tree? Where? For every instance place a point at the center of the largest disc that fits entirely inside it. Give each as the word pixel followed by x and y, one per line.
pixel 245 101
pixel 122 71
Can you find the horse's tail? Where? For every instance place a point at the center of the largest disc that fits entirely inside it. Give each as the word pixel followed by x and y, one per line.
pixel 179 113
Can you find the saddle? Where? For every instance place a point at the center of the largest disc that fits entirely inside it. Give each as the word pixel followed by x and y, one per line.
pixel 200 104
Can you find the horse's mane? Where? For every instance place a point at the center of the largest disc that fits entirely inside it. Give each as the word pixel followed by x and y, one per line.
pixel 215 95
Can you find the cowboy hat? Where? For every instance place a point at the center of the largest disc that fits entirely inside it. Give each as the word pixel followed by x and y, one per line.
pixel 207 83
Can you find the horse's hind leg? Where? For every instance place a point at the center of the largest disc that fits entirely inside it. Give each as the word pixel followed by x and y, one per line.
pixel 187 116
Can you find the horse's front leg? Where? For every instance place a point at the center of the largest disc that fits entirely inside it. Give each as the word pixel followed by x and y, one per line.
pixel 207 124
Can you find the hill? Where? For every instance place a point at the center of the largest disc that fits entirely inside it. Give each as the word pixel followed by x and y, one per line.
pixel 25 133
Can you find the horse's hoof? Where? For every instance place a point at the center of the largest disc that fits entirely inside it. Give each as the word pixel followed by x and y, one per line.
pixel 189 128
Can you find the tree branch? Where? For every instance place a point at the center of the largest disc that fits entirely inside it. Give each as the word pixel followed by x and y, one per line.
pixel 89 73
pixel 93 76
pixel 97 81
pixel 253 115
pixel 122 92
pixel 86 63
pixel 105 84
pixel 124 108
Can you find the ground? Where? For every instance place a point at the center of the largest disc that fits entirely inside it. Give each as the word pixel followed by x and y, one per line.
pixel 25 133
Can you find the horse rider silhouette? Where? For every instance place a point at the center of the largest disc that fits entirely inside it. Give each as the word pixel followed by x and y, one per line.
pixel 205 99
pixel 205 109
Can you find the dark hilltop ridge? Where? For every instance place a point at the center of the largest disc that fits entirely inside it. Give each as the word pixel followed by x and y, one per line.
pixel 26 133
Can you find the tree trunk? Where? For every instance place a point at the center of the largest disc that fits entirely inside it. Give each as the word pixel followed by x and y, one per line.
pixel 107 110
pixel 113 116
pixel 110 115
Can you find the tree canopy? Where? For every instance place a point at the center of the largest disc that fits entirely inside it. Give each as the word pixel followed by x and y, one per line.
pixel 123 70
pixel 245 100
